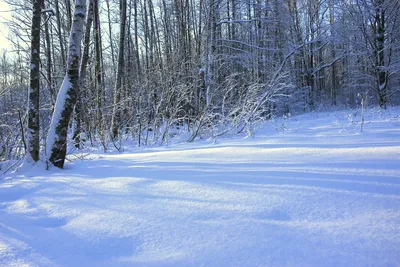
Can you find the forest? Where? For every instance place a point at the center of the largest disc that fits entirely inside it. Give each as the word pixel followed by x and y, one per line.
pixel 109 74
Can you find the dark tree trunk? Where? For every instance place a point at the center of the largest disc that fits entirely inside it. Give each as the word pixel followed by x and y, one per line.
pixel 116 119
pixel 33 147
pixel 109 32
pixel 60 38
pixel 381 74
pixel 69 13
pixel 98 63
pixel 49 59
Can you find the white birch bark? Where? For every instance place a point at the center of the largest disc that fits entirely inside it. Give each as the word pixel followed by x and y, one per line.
pixel 56 142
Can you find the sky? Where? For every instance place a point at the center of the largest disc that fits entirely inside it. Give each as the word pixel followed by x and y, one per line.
pixel 5 15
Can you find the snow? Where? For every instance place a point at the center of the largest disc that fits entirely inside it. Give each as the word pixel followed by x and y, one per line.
pixel 306 191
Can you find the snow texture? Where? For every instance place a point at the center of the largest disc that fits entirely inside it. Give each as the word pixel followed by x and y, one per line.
pixel 306 191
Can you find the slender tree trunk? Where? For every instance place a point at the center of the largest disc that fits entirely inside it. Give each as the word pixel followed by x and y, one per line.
pixel 310 57
pixel 49 60
pixel 116 118
pixel 69 13
pixel 382 76
pixel 152 33
pixel 167 34
pixel 98 64
pixel 333 53
pixel 60 38
pixel 56 143
pixel 33 147
pixel 146 36
pixel 82 71
pixel 138 68
pixel 110 34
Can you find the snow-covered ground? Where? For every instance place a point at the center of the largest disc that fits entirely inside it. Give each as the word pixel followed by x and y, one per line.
pixel 308 191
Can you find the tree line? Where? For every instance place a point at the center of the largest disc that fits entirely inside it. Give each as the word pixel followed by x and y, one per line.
pixel 106 73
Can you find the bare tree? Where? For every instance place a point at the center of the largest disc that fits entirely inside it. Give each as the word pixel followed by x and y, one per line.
pixel 116 117
pixel 33 146
pixel 56 142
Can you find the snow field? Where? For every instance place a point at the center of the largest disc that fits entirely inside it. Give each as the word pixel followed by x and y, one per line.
pixel 316 192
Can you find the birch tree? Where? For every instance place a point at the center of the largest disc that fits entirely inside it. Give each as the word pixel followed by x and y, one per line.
pixel 82 71
pixel 56 142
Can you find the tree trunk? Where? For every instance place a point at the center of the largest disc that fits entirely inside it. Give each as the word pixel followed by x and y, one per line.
pixel 109 33
pixel 69 13
pixel 82 72
pixel 138 67
pixel 333 53
pixel 49 59
pixel 116 118
pixel 98 65
pixel 33 147
pixel 56 143
pixel 381 74
pixel 60 38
